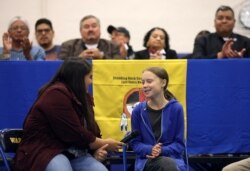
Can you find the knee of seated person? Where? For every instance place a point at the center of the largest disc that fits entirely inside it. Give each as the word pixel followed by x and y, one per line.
pixel 59 162
pixel 169 162
pixel 228 168
pixel 225 169
pixel 97 166
pixel 87 162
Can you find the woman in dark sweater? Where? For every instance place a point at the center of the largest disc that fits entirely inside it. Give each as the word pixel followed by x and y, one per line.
pixel 60 131
pixel 156 42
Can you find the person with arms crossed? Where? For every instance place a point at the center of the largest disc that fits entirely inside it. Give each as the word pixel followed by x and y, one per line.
pixel 60 131
pixel 160 121
pixel 16 43
pixel 223 43
pixel 90 46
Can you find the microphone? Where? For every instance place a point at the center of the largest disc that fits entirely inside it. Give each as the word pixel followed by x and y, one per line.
pixel 130 136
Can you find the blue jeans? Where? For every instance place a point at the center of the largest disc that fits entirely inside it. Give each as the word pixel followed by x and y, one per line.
pixel 83 163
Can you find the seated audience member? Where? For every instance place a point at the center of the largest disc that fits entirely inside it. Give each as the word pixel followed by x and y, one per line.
pixel 121 36
pixel 44 36
pixel 160 121
pixel 60 130
pixel 16 44
pixel 156 42
pixel 200 34
pixel 242 165
pixel 90 46
pixel 223 43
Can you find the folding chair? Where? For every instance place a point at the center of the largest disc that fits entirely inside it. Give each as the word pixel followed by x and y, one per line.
pixel 9 140
pixel 124 157
pixel 186 156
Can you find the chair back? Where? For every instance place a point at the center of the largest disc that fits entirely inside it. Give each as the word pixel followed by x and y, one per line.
pixel 10 138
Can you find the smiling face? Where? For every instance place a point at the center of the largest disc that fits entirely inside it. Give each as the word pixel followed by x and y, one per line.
pixel 152 85
pixel 90 30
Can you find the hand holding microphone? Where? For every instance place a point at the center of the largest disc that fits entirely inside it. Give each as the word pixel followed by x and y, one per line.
pixel 130 136
pixel 113 145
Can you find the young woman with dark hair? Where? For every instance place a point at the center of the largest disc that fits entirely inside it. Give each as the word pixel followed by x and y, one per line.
pixel 60 131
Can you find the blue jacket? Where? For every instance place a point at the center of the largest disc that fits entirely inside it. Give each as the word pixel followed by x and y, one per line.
pixel 172 134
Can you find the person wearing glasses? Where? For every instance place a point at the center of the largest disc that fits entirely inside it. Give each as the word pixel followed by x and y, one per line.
pixel 16 43
pixel 223 43
pixel 44 36
pixel 90 45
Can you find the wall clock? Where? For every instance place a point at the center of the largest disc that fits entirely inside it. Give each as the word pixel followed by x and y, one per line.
pixel 244 16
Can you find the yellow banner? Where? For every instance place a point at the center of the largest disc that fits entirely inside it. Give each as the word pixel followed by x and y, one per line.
pixel 116 90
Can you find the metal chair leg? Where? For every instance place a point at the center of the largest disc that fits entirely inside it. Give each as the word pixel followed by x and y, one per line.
pixel 4 159
pixel 124 157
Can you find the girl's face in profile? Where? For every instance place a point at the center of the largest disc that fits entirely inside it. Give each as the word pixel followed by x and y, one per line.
pixel 152 85
pixel 88 80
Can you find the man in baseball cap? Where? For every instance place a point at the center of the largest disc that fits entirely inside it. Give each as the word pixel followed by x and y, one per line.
pixel 121 36
pixel 123 30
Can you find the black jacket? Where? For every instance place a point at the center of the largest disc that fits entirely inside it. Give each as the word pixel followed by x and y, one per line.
pixel 144 54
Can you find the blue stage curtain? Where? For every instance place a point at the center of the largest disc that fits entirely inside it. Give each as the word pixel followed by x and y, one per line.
pixel 218 106
pixel 20 82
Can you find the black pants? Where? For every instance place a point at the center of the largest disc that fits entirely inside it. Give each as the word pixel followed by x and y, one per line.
pixel 161 164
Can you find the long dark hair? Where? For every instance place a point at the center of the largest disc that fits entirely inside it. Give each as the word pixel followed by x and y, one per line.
pixel 72 73
pixel 148 34
pixel 162 73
